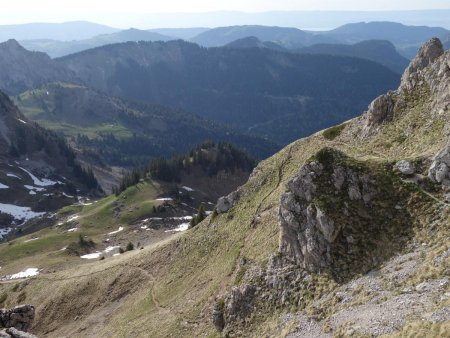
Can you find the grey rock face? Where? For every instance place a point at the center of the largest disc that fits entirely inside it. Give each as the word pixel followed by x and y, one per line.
pixel 405 167
pixel 217 318
pixel 429 69
pixel 21 317
pixel 380 110
pixel 14 333
pixel 427 54
pixel 225 203
pixel 308 233
pixel 440 167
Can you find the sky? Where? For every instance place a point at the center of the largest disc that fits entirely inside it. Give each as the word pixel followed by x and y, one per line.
pixel 121 13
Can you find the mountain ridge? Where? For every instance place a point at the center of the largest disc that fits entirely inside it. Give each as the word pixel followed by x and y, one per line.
pixel 211 82
pixel 21 69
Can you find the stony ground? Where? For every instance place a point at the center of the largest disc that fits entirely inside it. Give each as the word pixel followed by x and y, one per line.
pixel 372 305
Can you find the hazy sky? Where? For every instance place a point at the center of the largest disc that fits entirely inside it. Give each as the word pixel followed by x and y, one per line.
pixel 120 13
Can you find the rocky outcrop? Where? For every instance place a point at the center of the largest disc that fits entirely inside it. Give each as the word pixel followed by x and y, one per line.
pixel 380 110
pixel 426 55
pixel 14 333
pixel 431 68
pixel 218 317
pixel 225 203
pixel 440 167
pixel 405 167
pixel 430 72
pixel 308 232
pixel 335 215
pixel 21 317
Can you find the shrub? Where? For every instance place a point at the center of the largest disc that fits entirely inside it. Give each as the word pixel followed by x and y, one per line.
pixel 129 247
pixel 333 132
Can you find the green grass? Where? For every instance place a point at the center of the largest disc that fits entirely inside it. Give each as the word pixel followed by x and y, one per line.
pixel 333 132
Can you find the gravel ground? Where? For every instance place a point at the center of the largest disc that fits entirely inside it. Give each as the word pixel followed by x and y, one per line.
pixel 375 304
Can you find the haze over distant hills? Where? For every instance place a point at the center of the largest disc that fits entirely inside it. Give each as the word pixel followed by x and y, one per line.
pixel 272 93
pixel 381 51
pixel 56 48
pixel 75 30
pixel 406 39
pixel 284 36
pixel 180 33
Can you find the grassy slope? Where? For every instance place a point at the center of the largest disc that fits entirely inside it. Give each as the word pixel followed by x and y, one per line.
pixel 168 289
pixel 94 221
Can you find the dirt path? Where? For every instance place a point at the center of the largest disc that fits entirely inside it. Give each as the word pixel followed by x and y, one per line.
pixel 280 177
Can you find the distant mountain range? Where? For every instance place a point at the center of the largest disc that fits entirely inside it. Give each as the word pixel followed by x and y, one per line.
pixel 67 31
pixel 180 33
pixel 254 42
pixel 286 37
pixel 406 39
pixel 380 51
pixel 21 69
pixel 251 89
pixel 122 133
pixel 55 48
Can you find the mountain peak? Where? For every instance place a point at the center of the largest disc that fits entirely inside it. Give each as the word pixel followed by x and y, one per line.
pixel 12 43
pixel 430 67
pixel 426 55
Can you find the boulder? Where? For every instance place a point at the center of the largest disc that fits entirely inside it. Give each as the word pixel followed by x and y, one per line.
pixel 405 167
pixel 439 170
pixel 14 333
pixel 21 317
pixel 380 110
pixel 225 203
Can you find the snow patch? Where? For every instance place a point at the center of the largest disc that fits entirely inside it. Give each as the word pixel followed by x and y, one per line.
pixel 68 196
pixel 20 120
pixel 98 254
pixel 115 232
pixel 165 199
pixel 45 182
pixel 17 212
pixel 3 186
pixel 111 248
pixel 187 188
pixel 184 218
pixel 91 255
pixel 30 272
pixel 31 239
pixel 179 228
pixel 30 187
pixel 4 232
pixel 72 230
